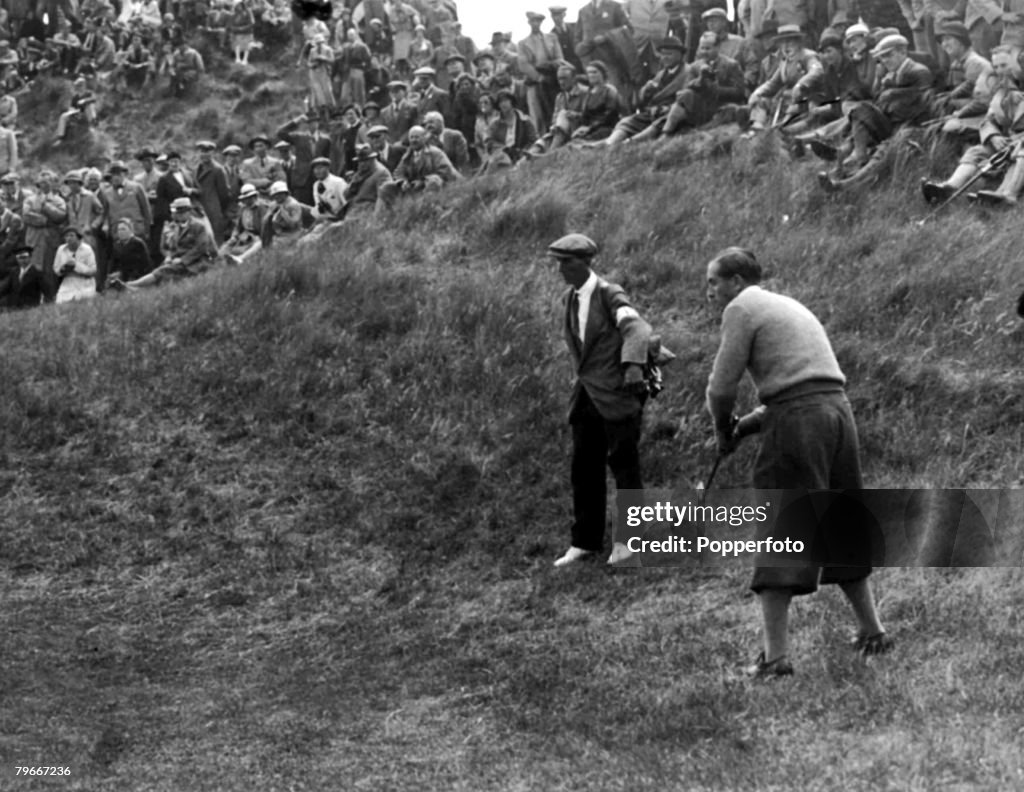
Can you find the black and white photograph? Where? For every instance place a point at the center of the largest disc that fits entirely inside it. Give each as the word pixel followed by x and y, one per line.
pixel 511 396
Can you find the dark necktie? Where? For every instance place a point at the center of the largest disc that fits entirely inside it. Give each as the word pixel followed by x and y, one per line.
pixel 574 314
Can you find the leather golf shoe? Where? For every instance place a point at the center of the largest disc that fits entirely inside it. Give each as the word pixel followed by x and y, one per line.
pixel 877 644
pixel 993 198
pixel 572 555
pixel 823 150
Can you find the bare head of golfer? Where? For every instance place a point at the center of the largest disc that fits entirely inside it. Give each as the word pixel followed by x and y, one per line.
pixel 729 273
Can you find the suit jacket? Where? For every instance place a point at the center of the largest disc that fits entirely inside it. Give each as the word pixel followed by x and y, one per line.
pixel 453 144
pixel 1005 116
pixel 131 202
pixel 18 292
pixel 301 177
pixel 904 96
pixel 399 119
pixel 395 152
pixel 432 162
pixel 435 99
pixel 363 189
pixel 214 195
pixel 661 90
pixel 535 53
pixel 606 347
pixel 261 175
pixel 596 19
pixel 167 189
pixel 525 134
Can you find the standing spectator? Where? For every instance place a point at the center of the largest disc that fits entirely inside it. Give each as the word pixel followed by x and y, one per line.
pixel 75 264
pixel 539 56
pixel 171 186
pixel 565 32
pixel 241 26
pixel 421 51
pixel 649 19
pixel 297 135
pixel 464 45
pixel 45 213
pixel 401 114
pixel 23 287
pixel 603 33
pixel 260 170
pixel 430 96
pixel 85 213
pixel 465 106
pixel 319 60
pixel 379 40
pixel 356 58
pixel 404 21
pixel 125 200
pixel 212 186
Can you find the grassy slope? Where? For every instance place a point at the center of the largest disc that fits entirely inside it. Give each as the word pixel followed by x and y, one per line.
pixel 291 527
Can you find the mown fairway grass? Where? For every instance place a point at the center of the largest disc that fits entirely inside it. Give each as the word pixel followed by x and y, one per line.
pixel 291 527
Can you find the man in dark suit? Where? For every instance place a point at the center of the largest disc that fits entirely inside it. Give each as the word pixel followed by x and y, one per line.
pixel 213 193
pixel 565 32
pixel 609 344
pixel 430 96
pixel 300 180
pixel 23 286
pixel 388 154
pixel 174 184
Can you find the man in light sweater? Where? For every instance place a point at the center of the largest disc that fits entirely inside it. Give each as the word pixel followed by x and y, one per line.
pixel 808 434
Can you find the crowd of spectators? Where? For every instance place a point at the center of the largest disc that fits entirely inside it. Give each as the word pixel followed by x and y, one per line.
pixel 401 101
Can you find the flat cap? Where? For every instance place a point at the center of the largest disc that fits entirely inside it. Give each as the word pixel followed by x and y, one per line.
pixel 573 246
pixel 70 229
pixel 378 129
pixel 259 139
pixel 715 12
pixel 9 178
pixel 232 149
pixel 533 16
pixel 206 145
pixel 181 205
pixel 456 57
pixel 860 29
pixel 321 161
pixel 830 38
pixel 398 84
pixel 955 29
pixel 26 249
pixel 788 32
pixel 145 153
pixel 557 9
pixel 425 71
pixel 889 43
pixel 282 144
pixel 671 43
pixel 74 175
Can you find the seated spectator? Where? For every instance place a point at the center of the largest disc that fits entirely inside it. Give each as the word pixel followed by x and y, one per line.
pixel 363 191
pixel 969 80
pixel 482 126
pixel 12 236
pixel 423 167
pixel 67 48
pixel 186 67
pixel 511 134
pixel 23 287
pixel 75 265
pixel 188 250
pixel 798 70
pixel 601 108
pixel 388 154
pixel 97 47
pixel 129 256
pixel 329 191
pixel 245 240
pixel 450 141
pixel 1003 122
pixel 82 109
pixel 135 65
pixel 283 223
pixel 566 114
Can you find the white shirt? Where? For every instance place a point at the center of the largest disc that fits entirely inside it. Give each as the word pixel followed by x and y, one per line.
pixel 333 194
pixel 80 284
pixel 583 295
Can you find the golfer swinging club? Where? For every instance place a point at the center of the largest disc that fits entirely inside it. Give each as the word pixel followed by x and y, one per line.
pixel 808 435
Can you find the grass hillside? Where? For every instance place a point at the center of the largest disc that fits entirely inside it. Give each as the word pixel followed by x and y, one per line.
pixel 290 527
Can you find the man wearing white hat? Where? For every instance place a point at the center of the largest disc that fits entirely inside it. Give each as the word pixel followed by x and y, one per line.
pixel 798 72
pixel 284 220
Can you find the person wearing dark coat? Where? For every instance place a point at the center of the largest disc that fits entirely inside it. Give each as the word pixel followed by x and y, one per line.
pixel 23 286
pixel 300 179
pixel 175 183
pixel 129 258
pixel 388 154
pixel 214 194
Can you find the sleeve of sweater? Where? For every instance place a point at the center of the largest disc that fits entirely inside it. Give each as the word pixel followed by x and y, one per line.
pixel 730 364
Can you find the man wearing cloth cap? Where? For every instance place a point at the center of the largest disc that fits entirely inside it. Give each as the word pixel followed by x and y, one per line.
pixel 565 32
pixel 45 214
pixel 603 33
pixel 232 173
pixel 903 102
pixel 329 191
pixel 362 193
pixel 261 170
pixel 86 214
pixel 450 141
pixel 296 132
pixel 424 167
pixel 808 435
pixel 539 54
pixel 401 114
pixel 431 97
pixel 214 195
pixel 732 46
pixel 609 344
pixel 799 70
pixel 389 154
